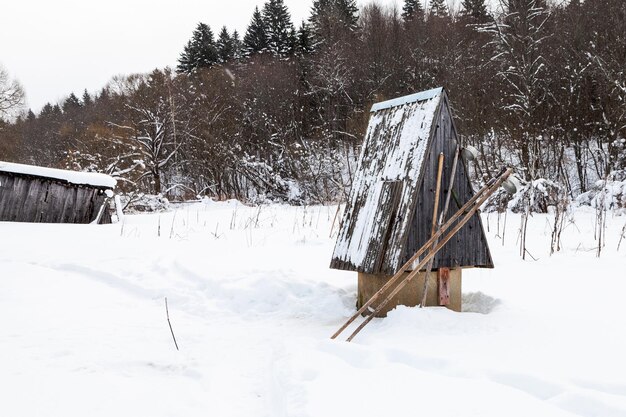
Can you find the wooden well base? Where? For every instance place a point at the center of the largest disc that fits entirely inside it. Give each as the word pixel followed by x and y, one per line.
pixel 411 294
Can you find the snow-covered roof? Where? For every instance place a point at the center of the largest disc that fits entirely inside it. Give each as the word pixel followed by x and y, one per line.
pixel 386 180
pixel 73 177
pixel 401 101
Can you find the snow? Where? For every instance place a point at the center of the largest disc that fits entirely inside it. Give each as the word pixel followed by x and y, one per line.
pixel 253 304
pixel 74 177
pixel 610 193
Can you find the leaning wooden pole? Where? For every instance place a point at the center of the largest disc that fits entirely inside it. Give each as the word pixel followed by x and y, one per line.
pixel 433 227
pixel 415 257
pixel 444 212
pixel 450 185
pixel 433 252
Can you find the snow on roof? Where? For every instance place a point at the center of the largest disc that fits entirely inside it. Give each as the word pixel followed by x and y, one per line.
pixel 73 177
pixel 400 101
pixel 394 150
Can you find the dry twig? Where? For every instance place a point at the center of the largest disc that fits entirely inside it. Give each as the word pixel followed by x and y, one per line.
pixel 167 312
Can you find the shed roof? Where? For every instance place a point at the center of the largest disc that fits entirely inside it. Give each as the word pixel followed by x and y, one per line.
pixel 395 145
pixel 72 177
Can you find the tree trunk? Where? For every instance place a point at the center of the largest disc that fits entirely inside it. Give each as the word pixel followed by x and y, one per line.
pixel 580 169
pixel 525 155
pixel 156 175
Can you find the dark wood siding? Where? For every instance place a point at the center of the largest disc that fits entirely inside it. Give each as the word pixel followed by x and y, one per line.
pixel 468 248
pixel 25 198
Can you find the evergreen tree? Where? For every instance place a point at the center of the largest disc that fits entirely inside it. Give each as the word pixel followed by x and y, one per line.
pixel 348 11
pixel 237 45
pixel 293 40
pixel 87 100
pixel 320 12
pixel 104 94
pixel 46 111
pixel 225 46
pixel 438 8
pixel 305 41
pixel 477 9
pixel 185 61
pixel 255 40
pixel 278 27
pixel 71 103
pixel 412 9
pixel 330 19
pixel 200 51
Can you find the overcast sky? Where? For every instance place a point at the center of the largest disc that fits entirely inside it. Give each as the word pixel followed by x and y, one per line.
pixel 62 46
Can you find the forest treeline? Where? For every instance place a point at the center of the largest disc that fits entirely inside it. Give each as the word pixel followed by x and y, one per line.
pixel 280 111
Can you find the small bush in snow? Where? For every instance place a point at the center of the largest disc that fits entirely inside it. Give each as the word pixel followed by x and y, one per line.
pixel 144 203
pixel 609 193
pixel 538 194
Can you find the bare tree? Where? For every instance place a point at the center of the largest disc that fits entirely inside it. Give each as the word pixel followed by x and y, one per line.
pixel 151 126
pixel 11 94
pixel 519 37
pixel 607 54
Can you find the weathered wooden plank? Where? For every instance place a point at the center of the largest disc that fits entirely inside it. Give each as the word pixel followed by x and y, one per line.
pixel 6 185
pixel 25 198
pixel 18 202
pixel 39 204
pixel 390 200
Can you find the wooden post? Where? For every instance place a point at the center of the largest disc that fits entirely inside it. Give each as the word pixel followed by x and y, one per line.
pixel 443 278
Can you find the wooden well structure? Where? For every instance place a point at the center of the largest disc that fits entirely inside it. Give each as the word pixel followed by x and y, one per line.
pixel 389 213
pixel 46 195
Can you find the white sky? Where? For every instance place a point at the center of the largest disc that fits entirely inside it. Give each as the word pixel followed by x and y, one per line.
pixel 62 46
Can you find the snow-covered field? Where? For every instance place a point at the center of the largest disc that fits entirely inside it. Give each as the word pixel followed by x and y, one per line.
pixel 253 303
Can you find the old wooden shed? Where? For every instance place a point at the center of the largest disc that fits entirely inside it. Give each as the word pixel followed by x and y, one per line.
pixel 389 212
pixel 47 195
